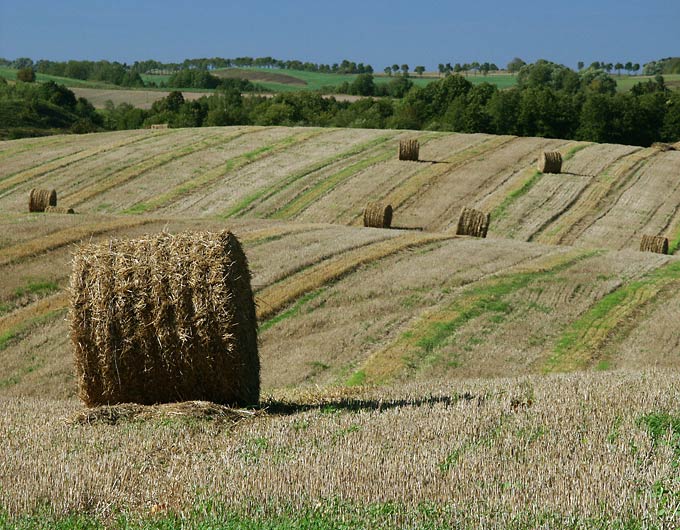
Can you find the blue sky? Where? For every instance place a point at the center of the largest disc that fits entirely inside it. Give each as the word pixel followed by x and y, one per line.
pixel 378 32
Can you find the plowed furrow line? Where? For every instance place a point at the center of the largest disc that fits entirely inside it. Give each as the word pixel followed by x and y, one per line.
pixel 122 177
pixel 274 298
pixel 220 173
pixel 597 200
pixel 260 196
pixel 11 181
pixel 409 190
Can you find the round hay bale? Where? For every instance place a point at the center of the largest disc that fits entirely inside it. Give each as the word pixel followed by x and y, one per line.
pixel 59 209
pixel 164 319
pixel 550 162
pixel 378 215
pixel 473 223
pixel 39 199
pixel 658 244
pixel 409 150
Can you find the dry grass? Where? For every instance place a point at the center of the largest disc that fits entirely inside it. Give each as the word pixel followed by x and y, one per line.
pixel 480 452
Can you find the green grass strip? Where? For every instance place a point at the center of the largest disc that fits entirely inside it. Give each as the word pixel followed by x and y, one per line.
pixel 581 341
pixel 293 311
pixel 211 176
pixel 501 210
pixel 266 193
pixel 301 202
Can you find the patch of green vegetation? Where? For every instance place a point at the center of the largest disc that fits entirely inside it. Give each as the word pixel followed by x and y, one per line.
pixel 243 205
pixel 615 433
pixel 36 287
pixel 602 316
pixel 663 427
pixel 293 311
pixel 356 379
pixel 570 154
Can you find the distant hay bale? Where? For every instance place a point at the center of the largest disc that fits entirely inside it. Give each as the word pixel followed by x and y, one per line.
pixel 164 319
pixel 550 162
pixel 658 244
pixel 39 199
pixel 665 147
pixel 378 215
pixel 159 126
pixel 59 209
pixel 473 223
pixel 409 150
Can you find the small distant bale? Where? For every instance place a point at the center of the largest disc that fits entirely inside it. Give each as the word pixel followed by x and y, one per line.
pixel 39 199
pixel 550 162
pixel 378 215
pixel 59 209
pixel 665 147
pixel 409 150
pixel 164 319
pixel 473 223
pixel 658 244
pixel 159 126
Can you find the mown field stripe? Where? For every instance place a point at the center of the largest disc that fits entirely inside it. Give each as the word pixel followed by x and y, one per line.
pixel 61 238
pixel 417 182
pixel 132 172
pixel 262 195
pixel 276 297
pixel 218 173
pixel 421 342
pixel 525 185
pixel 566 228
pixel 16 322
pixel 304 200
pixel 579 345
pixel 45 141
pixel 11 181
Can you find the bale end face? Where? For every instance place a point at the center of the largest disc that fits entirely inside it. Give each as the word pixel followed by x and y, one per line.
pixel 657 244
pixel 378 215
pixel 473 223
pixel 39 199
pixel 164 319
pixel 550 162
pixel 409 150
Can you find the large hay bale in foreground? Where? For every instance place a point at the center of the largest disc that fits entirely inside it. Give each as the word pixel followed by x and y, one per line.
pixel 658 244
pixel 378 215
pixel 550 162
pixel 473 223
pixel 409 150
pixel 164 319
pixel 59 209
pixel 39 199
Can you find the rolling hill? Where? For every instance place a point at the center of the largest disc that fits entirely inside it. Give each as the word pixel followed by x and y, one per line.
pixel 522 368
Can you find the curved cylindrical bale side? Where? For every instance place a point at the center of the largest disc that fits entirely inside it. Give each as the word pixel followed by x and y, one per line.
pixel 658 244
pixel 378 215
pixel 473 223
pixel 409 149
pixel 163 319
pixel 39 199
pixel 550 162
pixel 59 209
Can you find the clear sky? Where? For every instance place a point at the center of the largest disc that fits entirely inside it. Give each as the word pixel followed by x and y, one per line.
pixel 377 32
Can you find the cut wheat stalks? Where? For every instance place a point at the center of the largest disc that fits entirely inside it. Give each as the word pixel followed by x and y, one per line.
pixel 409 150
pixel 39 199
pixel 164 319
pixel 658 244
pixel 473 223
pixel 378 215
pixel 550 162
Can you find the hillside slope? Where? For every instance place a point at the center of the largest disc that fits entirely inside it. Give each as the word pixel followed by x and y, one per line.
pixel 607 195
